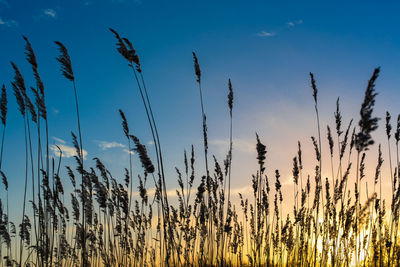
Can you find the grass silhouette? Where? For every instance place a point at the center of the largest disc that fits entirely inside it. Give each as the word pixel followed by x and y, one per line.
pixel 103 223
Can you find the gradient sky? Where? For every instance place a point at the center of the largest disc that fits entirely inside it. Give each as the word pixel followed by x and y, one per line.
pixel 267 48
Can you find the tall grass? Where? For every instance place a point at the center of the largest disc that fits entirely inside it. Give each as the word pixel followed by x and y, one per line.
pixel 104 221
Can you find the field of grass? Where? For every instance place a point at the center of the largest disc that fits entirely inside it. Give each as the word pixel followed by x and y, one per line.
pixel 105 221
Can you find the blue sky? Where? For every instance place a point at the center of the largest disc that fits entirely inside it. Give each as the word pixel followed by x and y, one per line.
pixel 267 48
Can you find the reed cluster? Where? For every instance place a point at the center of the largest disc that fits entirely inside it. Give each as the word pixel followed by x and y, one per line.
pixel 102 222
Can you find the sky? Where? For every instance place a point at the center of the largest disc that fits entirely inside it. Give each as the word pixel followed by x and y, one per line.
pixel 267 49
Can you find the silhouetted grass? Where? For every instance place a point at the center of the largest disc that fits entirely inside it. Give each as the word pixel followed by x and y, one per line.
pixel 102 222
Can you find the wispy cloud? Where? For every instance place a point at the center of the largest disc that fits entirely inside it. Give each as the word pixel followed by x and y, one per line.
pixel 265 34
pixel 129 151
pixel 104 145
pixel 66 150
pixel 59 140
pixel 50 13
pixel 242 145
pixel 55 111
pixel 291 24
pixel 288 25
pixel 8 23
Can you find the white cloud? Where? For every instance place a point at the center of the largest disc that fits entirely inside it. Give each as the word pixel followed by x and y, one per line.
pixel 290 24
pixel 129 152
pixel 265 34
pixel 104 145
pixel 59 140
pixel 8 23
pixel 55 111
pixel 50 12
pixel 150 143
pixel 67 151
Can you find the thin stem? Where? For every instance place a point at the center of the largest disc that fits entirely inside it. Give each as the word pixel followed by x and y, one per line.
pixel 26 182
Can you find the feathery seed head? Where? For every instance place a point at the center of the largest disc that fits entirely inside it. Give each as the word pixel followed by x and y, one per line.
pixel 196 67
pixel 397 133
pixel 65 61
pixel 3 105
pixel 261 152
pixel 125 48
pixel 299 155
pixel 379 165
pixel 367 123
pixel 30 55
pixel 19 79
pixel 330 140
pixel 20 98
pixel 316 147
pixel 388 125
pixel 230 96
pixel 124 123
pixel 144 158
pixel 314 87
pixel 295 171
pixel 4 179
pixel 338 118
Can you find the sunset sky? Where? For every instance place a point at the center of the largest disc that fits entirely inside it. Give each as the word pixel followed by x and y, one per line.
pixel 267 48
